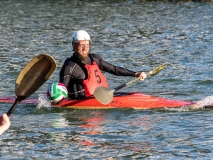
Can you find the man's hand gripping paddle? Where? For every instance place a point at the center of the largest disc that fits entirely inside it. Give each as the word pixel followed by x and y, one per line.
pixel 105 95
pixel 32 76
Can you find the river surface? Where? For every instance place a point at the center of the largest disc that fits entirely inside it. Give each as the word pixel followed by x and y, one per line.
pixel 135 34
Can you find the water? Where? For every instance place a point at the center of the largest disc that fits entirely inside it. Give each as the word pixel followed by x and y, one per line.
pixel 136 34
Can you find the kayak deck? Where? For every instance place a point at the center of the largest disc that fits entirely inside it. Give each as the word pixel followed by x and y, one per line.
pixel 134 100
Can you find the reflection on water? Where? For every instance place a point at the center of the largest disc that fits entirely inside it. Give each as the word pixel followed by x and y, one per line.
pixel 93 124
pixel 139 35
pixel 96 132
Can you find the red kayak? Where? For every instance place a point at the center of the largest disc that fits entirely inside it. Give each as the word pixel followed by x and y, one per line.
pixel 134 100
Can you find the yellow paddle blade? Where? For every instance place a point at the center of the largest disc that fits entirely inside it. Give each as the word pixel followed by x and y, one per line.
pixel 34 74
pixel 157 70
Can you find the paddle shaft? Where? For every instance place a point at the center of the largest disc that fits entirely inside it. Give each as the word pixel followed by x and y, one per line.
pixel 126 84
pixel 105 95
pixel 17 101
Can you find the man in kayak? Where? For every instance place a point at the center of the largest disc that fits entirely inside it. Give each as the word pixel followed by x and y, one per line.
pixel 81 73
pixel 4 123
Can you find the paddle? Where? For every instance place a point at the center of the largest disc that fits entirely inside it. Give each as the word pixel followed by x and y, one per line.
pixel 105 95
pixel 32 76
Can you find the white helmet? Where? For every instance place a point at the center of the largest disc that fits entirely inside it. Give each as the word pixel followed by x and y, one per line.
pixel 80 35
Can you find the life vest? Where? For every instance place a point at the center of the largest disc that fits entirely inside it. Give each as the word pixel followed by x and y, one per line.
pixel 94 80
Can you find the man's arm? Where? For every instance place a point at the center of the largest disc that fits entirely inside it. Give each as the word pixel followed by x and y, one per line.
pixel 119 71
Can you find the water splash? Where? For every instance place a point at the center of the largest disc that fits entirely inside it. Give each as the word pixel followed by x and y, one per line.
pixel 207 101
pixel 43 101
pixel 204 103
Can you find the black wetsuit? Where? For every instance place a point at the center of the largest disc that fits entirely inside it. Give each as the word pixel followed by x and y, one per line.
pixel 73 73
